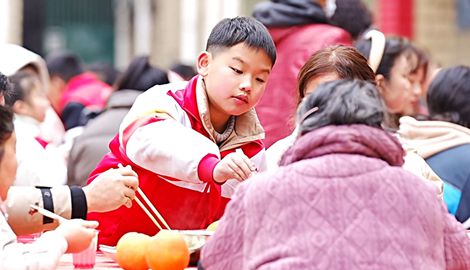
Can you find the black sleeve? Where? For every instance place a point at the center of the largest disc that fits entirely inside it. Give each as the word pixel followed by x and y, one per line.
pixel 79 203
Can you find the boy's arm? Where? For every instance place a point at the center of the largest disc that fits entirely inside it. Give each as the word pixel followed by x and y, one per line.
pixel 168 148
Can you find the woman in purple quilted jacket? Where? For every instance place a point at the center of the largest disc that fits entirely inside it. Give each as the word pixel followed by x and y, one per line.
pixel 340 199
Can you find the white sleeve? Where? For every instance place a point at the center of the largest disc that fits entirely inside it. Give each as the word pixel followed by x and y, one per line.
pixel 168 148
pixel 43 254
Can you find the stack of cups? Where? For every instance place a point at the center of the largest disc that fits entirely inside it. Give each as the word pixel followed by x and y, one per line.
pixel 86 258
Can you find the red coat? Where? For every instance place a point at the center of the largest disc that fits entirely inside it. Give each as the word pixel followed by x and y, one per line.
pixel 85 89
pixel 294 46
pixel 166 143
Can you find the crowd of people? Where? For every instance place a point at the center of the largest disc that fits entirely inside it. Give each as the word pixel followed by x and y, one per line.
pixel 318 144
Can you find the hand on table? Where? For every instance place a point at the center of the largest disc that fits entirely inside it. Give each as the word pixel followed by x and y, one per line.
pixel 78 233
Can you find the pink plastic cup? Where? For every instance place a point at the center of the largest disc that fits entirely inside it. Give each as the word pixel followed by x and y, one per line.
pixel 26 239
pixel 86 258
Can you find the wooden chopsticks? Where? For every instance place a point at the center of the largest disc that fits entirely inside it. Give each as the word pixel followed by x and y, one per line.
pixel 152 210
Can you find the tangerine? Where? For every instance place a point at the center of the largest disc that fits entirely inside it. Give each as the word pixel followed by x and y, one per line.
pixel 167 250
pixel 131 249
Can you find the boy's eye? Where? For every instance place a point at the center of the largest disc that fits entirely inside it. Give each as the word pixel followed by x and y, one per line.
pixel 236 70
pixel 260 80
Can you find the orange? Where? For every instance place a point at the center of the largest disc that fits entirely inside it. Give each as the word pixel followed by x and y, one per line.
pixel 131 249
pixel 167 250
pixel 213 226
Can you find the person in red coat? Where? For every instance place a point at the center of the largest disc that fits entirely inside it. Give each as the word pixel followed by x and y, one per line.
pixel 299 29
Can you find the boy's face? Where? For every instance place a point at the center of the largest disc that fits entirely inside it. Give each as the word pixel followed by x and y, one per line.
pixel 37 103
pixel 235 79
pixel 8 166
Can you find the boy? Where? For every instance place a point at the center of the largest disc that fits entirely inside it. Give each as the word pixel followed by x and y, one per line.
pixel 44 253
pixel 182 138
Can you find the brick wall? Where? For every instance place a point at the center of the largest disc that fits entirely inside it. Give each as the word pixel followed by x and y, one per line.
pixel 437 30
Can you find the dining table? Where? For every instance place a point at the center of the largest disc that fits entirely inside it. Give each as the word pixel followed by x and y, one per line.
pixel 101 262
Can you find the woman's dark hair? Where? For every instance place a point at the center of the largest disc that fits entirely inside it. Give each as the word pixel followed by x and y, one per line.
pixel 448 96
pixel 185 71
pixel 6 127
pixel 341 102
pixel 394 48
pixel 141 75
pixel 345 61
pixel 353 16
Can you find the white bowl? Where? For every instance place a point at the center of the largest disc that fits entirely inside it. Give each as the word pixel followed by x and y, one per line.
pixel 108 251
pixel 195 239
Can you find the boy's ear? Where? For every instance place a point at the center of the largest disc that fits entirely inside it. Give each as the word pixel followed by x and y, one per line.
pixel 203 63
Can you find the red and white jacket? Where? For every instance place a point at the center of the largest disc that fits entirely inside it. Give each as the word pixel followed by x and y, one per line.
pixel 167 139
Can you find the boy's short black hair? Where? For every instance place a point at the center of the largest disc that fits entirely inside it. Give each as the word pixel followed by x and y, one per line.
pixel 230 32
pixel 66 65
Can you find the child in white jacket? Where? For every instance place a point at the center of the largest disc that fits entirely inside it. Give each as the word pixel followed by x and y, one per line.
pixel 44 253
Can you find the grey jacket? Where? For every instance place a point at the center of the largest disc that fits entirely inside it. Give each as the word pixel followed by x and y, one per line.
pixel 92 145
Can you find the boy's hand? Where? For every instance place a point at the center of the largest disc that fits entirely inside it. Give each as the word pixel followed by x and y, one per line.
pixel 78 233
pixel 112 189
pixel 235 165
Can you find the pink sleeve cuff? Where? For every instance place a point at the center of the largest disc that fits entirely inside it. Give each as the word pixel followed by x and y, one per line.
pixel 206 167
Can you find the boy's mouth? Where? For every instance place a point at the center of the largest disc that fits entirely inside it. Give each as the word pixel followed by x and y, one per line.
pixel 242 98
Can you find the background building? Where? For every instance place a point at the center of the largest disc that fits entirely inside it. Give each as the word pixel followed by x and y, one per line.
pixel 114 31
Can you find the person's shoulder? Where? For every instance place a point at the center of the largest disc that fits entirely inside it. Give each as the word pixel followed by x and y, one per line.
pixel 409 183
pixel 159 90
pixel 325 33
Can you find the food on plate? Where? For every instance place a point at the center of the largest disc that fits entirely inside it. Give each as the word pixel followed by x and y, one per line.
pixel 213 226
pixel 131 251
pixel 167 250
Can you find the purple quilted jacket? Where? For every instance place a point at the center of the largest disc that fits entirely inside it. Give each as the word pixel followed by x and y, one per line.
pixel 340 201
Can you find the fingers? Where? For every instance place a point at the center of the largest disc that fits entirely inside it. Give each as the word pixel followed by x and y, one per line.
pixel 131 182
pixel 128 202
pixel 240 165
pixel 89 224
pixel 247 160
pixel 239 168
pixel 126 171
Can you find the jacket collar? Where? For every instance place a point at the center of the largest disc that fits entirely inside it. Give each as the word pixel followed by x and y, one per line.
pixel 346 139
pixel 193 99
pixel 432 137
pixel 289 12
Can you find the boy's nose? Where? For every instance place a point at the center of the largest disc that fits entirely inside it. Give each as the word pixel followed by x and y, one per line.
pixel 245 85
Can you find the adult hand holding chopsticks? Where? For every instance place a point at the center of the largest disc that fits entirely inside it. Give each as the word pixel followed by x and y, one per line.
pixel 235 165
pixel 122 184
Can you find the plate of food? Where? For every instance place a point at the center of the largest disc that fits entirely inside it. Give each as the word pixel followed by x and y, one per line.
pixel 108 251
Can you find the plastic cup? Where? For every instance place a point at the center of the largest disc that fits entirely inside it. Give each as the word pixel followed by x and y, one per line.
pixel 86 258
pixel 26 239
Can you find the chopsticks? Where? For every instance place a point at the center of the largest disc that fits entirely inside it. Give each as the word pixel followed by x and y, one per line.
pixel 47 213
pixel 152 208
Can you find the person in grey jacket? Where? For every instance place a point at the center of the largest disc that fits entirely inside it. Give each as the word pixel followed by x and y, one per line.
pixel 90 147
